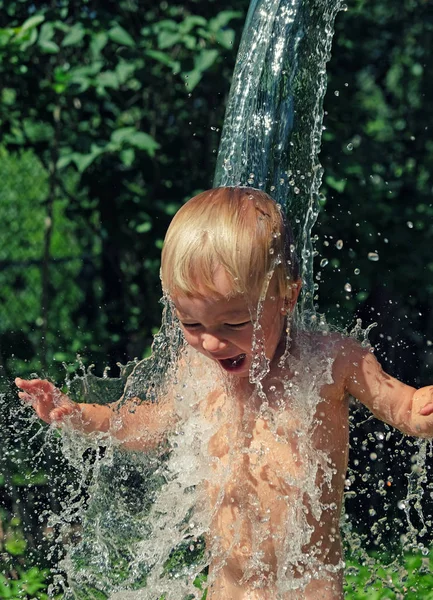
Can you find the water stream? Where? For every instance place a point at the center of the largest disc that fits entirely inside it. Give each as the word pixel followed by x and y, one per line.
pixel 273 123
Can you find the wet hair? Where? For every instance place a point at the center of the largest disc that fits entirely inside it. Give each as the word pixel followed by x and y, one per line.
pixel 240 229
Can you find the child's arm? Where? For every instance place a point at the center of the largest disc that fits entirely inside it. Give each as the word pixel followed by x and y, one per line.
pixel 400 405
pixel 137 425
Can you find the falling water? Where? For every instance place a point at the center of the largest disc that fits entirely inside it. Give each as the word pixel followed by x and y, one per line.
pixel 273 124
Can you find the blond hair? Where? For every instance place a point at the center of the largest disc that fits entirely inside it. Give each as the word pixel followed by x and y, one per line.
pixel 238 228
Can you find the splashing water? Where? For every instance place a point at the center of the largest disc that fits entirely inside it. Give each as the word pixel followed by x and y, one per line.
pixel 250 485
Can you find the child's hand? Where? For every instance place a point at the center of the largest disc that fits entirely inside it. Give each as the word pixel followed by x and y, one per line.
pixel 50 403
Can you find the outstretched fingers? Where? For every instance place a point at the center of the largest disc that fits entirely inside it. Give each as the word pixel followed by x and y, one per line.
pixel 35 385
pixel 47 401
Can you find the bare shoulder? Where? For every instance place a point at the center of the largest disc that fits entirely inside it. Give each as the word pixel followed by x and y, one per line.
pixel 330 345
pixel 343 353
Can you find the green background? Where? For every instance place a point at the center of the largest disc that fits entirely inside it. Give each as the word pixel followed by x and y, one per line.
pixel 110 118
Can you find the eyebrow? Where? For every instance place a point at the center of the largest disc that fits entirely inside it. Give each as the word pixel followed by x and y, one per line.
pixel 235 313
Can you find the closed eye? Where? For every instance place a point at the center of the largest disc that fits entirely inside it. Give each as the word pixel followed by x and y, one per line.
pixel 238 325
pixel 190 325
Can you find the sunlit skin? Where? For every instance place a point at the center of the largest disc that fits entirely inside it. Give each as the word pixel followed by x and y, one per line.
pixel 220 327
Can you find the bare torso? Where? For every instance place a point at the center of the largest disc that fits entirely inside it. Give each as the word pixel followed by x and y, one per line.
pixel 275 489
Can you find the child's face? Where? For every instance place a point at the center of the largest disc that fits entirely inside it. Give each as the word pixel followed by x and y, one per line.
pixel 221 328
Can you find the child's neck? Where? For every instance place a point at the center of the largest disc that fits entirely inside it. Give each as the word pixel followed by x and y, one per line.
pixel 279 368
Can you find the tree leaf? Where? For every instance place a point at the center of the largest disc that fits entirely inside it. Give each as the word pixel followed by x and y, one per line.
pixel 132 137
pixel 164 24
pixel 191 21
pixel 127 157
pixel 225 38
pixel 144 141
pixel 336 184
pixel 28 39
pixel 144 227
pixel 223 18
pixel 192 78
pixel 190 42
pixel 167 39
pixel 122 134
pixel 75 35
pixel 30 23
pixel 5 36
pixel 83 161
pixel 64 161
pixel 49 47
pixel 46 33
pixel 205 59
pixel 98 43
pixel 125 70
pixel 121 36
pixel 8 96
pixel 108 79
pixel 165 59
pixel 37 131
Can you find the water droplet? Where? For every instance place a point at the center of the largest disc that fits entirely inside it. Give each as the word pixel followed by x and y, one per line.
pixel 339 244
pixel 410 224
pixel 271 250
pixel 373 256
pixel 324 262
pixel 336 93
pixel 357 271
pixel 296 190
pixel 350 147
pixel 347 287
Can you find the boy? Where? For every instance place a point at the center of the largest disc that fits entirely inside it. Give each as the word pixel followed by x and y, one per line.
pixel 277 412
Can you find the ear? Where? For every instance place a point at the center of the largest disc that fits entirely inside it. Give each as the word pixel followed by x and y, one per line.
pixel 293 291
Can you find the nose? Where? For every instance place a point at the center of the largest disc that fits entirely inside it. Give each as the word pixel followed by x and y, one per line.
pixel 211 343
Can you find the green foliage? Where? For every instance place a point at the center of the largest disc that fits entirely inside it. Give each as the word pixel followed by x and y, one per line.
pixel 377 156
pixel 110 109
pixel 30 583
pixel 17 579
pixel 410 578
pixel 109 119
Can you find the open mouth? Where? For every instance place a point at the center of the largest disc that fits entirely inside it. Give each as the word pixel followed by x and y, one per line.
pixel 233 363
